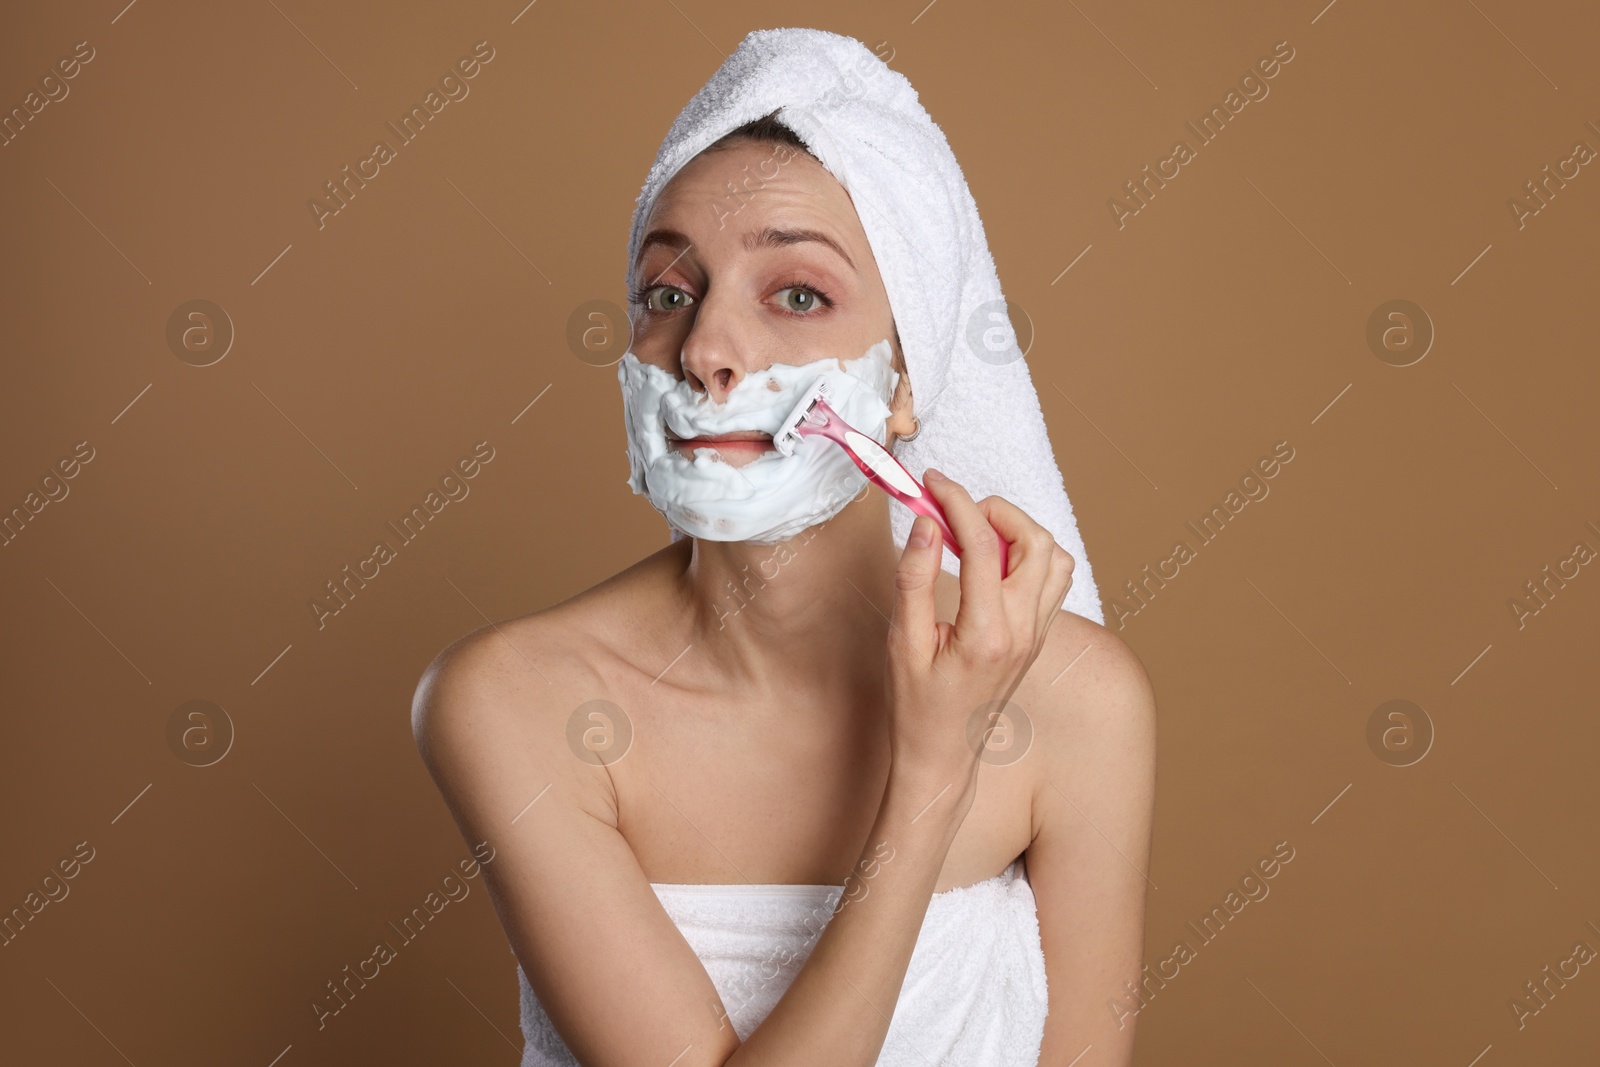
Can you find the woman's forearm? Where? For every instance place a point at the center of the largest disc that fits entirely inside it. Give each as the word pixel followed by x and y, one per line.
pixel 837 1009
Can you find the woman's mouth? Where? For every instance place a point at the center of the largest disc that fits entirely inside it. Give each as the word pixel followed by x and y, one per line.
pixel 739 442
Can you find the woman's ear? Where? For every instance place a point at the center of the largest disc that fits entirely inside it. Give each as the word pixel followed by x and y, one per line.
pixel 901 423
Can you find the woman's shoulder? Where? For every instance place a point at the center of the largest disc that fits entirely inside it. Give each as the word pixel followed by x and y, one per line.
pixel 1085 662
pixel 578 647
pixel 1090 705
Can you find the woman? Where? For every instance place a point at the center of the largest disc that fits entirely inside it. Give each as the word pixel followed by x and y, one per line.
pixel 737 808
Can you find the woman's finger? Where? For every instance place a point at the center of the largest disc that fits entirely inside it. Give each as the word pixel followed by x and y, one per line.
pixel 1059 580
pixel 1034 569
pixel 981 606
pixel 1030 541
pixel 914 619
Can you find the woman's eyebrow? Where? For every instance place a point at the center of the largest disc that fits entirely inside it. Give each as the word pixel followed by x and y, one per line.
pixel 774 238
pixel 770 237
pixel 670 238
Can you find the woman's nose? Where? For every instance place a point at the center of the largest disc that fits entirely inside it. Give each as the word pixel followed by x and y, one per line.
pixel 714 352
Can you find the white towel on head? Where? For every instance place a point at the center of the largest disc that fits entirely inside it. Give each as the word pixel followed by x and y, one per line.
pixel 979 412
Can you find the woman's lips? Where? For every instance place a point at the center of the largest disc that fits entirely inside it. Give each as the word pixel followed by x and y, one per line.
pixel 738 441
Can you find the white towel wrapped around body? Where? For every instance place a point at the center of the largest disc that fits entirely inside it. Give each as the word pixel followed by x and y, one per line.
pixel 974 994
pixel 980 418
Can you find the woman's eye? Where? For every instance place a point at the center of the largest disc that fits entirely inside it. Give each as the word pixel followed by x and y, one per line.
pixel 671 298
pixel 796 298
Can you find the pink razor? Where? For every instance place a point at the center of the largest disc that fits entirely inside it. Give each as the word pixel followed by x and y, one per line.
pixel 814 415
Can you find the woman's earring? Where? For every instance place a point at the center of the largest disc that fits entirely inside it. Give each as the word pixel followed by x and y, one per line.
pixel 912 436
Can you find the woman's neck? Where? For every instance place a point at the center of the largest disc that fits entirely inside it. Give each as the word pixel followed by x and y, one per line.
pixel 769 615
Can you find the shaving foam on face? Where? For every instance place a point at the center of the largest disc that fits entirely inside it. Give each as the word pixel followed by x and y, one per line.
pixel 773 497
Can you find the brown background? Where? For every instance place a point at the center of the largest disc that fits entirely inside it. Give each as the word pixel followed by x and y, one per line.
pixel 371 354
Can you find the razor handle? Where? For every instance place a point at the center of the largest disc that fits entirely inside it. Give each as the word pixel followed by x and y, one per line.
pixel 889 474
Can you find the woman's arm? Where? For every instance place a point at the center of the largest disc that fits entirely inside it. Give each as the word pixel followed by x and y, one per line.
pixel 839 1007
pixel 606 961
pixel 1090 853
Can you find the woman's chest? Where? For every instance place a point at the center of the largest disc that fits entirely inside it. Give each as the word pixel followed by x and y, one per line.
pixel 787 798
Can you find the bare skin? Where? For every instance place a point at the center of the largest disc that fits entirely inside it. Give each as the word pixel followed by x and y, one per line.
pixel 801 730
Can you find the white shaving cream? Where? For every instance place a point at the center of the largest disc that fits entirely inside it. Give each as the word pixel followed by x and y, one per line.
pixel 772 497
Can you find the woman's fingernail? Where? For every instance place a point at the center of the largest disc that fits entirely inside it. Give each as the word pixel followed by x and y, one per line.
pixel 932 475
pixel 921 532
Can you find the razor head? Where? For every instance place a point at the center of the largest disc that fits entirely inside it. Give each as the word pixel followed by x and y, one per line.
pixel 788 435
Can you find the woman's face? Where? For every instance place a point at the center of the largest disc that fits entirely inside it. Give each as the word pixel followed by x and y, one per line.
pixel 729 284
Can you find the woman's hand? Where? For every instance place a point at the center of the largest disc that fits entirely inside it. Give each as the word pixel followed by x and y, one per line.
pixel 944 678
